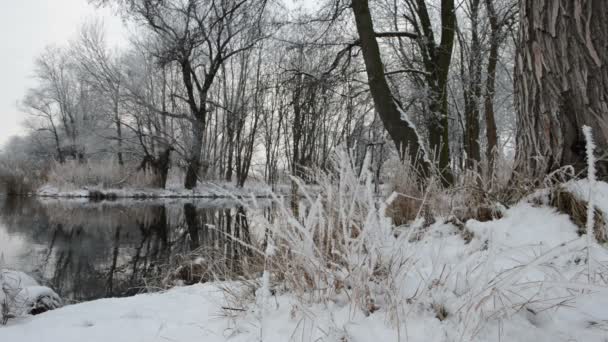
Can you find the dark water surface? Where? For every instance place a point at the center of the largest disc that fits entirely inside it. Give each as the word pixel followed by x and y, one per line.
pixel 85 250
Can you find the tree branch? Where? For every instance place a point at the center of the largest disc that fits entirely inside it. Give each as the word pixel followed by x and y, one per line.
pixel 396 34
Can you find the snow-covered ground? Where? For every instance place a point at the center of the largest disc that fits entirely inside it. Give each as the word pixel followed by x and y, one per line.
pixel 523 277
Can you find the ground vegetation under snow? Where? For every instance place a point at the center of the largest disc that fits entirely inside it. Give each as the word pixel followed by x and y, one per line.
pixel 338 269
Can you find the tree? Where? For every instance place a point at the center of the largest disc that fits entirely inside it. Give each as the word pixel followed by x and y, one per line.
pixel 40 107
pixel 198 37
pixel 561 78
pixel 402 131
pixel 103 72
pixel 155 134
pixel 472 88
pixel 66 101
pixel 436 60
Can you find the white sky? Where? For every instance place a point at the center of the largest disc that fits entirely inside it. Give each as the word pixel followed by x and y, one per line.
pixel 26 28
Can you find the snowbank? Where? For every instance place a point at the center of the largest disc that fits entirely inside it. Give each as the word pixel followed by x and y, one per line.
pixel 520 278
pixel 21 295
pixel 195 313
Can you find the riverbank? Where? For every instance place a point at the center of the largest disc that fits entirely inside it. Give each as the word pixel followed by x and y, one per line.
pixel 206 190
pixel 522 277
pixel 198 313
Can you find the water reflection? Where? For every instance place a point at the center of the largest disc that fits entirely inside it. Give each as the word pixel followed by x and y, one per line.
pixel 88 250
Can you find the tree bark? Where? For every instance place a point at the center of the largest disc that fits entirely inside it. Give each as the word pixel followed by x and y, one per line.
pixel 561 83
pixel 194 160
pixel 472 93
pixel 495 41
pixel 437 59
pixel 118 127
pixel 401 130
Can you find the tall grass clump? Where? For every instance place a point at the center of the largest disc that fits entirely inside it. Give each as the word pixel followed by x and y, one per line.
pixel 332 245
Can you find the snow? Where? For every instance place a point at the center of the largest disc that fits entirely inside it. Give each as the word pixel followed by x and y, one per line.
pixel 404 117
pixel 521 278
pixel 203 190
pixel 15 280
pixel 22 294
pixel 175 315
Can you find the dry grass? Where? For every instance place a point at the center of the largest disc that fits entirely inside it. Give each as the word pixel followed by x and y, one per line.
pixel 103 174
pixel 413 199
pixel 567 203
pixel 471 197
pixel 329 247
pixel 209 264
pixel 20 178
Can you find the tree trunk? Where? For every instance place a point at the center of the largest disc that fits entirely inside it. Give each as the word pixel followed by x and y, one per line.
pixel 561 78
pixel 437 59
pixel 495 41
pixel 400 129
pixel 60 156
pixel 162 169
pixel 118 127
pixel 194 160
pixel 473 93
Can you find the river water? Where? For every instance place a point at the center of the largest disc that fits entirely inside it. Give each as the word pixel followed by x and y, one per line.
pixel 88 250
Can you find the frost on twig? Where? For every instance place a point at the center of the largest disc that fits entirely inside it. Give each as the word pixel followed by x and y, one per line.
pixel 589 148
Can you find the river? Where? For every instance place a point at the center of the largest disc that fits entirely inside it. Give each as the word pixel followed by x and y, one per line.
pixel 88 250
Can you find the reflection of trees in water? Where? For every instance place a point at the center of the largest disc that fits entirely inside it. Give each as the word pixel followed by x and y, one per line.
pixel 221 235
pixel 98 250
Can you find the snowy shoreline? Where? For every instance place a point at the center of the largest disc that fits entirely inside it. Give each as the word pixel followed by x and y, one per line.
pixel 503 254
pixel 206 190
pixel 521 277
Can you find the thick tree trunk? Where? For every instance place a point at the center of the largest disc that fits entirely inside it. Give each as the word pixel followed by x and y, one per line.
pixel 194 160
pixel 561 83
pixel 198 122
pixel 401 130
pixel 163 161
pixel 158 166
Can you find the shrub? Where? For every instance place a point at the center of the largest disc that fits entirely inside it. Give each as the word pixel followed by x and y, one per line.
pixel 97 173
pixel 333 243
pixel 20 178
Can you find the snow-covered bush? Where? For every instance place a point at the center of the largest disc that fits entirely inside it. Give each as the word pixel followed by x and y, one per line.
pixel 21 295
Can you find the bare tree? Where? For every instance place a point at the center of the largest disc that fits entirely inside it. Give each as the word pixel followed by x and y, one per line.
pixel 395 121
pixel 198 37
pixel 103 71
pixel 39 106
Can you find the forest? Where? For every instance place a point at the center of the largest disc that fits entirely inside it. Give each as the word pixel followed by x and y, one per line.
pixel 331 170
pixel 234 90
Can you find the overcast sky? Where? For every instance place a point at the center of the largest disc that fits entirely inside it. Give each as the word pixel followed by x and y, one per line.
pixel 26 28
